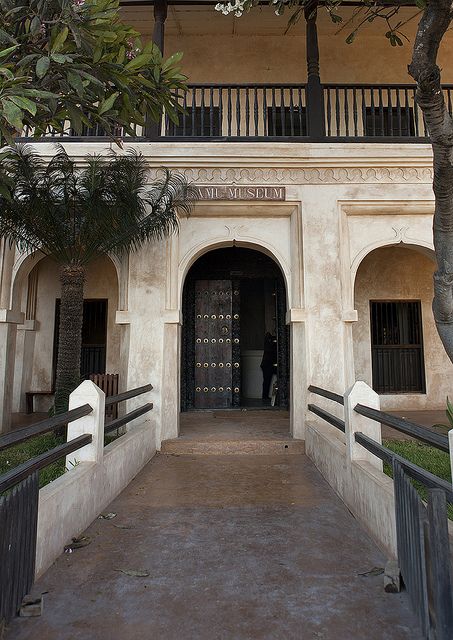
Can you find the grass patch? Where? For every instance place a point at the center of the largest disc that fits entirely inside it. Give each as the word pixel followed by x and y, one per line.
pixel 429 458
pixel 111 437
pixel 14 456
pixel 20 453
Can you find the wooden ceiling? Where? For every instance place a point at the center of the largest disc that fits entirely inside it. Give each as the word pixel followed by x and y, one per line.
pixel 201 19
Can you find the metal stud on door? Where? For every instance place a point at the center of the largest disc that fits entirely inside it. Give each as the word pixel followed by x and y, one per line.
pixel 212 343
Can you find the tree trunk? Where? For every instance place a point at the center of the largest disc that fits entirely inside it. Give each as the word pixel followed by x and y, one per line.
pixel 72 280
pixel 423 68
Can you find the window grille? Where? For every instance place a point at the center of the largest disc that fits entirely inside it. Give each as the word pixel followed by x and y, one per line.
pixel 94 337
pixel 286 121
pixel 397 347
pixel 197 121
pixel 389 121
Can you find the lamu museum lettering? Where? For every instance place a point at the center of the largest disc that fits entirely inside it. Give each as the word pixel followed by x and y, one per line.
pixel 241 193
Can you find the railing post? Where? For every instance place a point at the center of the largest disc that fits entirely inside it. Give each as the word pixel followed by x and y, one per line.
pixel 361 393
pixel 87 393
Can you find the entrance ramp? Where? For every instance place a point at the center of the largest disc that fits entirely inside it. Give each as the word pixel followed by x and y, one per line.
pixel 222 548
pixel 234 433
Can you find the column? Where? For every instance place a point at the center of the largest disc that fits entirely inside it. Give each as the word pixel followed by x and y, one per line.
pixel 171 372
pixel 153 129
pixel 315 91
pixel 8 330
pixel 298 375
pixel 160 15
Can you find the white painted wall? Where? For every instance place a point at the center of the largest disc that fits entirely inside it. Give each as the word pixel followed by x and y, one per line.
pixel 342 201
pixel 69 504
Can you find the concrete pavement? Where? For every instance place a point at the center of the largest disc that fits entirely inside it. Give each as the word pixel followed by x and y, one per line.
pixel 236 547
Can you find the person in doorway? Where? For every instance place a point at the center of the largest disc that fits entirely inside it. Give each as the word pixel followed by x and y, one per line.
pixel 268 363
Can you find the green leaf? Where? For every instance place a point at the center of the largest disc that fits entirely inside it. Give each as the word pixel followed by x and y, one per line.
pixel 350 38
pixel 35 25
pixel 107 104
pixel 172 60
pixel 141 60
pixel 76 82
pixel 6 73
pixel 13 114
pixel 37 93
pixel 4 191
pixel 75 118
pixel 97 55
pixel 6 52
pixel 24 103
pixel 60 39
pixel 59 58
pixel 42 66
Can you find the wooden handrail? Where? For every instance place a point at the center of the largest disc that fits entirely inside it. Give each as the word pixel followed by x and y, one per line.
pixel 44 426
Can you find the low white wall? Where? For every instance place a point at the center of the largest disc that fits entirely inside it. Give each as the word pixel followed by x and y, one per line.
pixel 69 504
pixel 366 491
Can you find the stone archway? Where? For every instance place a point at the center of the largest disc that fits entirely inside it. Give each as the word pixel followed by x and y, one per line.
pixel 246 295
pixel 35 290
pixel 395 341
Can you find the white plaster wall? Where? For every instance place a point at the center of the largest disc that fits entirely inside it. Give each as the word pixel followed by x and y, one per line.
pixel 146 353
pixel 397 273
pixel 69 504
pixel 366 491
pixel 341 201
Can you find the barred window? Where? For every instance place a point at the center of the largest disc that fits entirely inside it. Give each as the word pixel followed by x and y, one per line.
pixel 397 346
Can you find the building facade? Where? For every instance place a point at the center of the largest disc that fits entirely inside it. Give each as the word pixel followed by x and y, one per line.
pixel 313 226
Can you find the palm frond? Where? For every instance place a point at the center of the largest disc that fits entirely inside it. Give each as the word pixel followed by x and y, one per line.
pixel 74 215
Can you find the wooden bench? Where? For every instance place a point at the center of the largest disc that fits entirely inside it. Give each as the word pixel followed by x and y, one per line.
pixel 29 398
pixel 108 382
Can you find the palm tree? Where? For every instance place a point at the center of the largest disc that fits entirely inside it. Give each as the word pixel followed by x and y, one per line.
pixel 75 214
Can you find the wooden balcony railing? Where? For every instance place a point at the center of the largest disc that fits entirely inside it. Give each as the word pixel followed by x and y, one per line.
pixel 281 112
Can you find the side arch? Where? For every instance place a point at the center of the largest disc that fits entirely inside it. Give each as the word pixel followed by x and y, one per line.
pixel 420 246
pixel 26 262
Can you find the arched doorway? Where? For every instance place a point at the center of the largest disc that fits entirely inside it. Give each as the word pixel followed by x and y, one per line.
pixel 37 292
pixel 397 350
pixel 234 307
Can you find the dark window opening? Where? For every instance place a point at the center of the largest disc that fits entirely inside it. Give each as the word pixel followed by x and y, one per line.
pixel 197 121
pixel 94 338
pixel 96 131
pixel 397 347
pixel 286 121
pixel 389 121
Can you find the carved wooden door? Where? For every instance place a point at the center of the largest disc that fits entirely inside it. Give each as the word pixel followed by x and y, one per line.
pixel 217 365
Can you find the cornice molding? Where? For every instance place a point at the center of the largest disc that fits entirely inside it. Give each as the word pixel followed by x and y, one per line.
pixel 331 175
pixel 277 163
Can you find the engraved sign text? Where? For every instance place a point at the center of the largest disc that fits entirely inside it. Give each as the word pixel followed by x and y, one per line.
pixel 241 193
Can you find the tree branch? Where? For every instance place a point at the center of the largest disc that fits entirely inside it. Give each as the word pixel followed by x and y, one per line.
pixel 431 29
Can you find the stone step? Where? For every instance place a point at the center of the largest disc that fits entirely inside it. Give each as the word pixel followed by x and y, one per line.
pixel 181 447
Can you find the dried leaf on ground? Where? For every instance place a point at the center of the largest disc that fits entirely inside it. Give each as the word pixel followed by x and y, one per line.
pixel 77 543
pixel 375 571
pixel 136 573
pixel 107 516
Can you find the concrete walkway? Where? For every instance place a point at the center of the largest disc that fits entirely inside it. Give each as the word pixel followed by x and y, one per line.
pixel 237 548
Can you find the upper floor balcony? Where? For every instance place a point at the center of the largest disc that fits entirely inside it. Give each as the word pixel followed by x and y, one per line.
pixel 250 79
